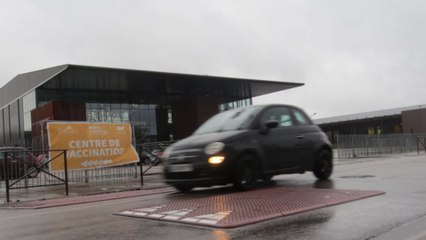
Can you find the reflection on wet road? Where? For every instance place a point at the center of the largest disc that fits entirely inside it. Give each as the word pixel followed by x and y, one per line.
pixel 363 219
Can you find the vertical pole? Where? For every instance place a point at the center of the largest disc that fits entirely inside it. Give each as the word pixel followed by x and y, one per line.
pixel 424 143
pixel 42 135
pixel 66 172
pixel 337 145
pixel 134 136
pixel 417 141
pixel 6 173
pixel 141 169
pixel 134 143
pixel 86 176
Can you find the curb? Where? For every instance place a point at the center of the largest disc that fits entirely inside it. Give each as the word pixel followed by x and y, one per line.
pixel 38 204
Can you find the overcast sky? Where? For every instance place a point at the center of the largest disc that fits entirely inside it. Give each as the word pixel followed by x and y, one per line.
pixel 353 56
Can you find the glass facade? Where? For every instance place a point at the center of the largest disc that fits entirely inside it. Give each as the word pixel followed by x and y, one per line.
pixel 2 128
pixel 142 115
pixel 29 103
pixel 235 104
pixel 15 122
pixel 148 100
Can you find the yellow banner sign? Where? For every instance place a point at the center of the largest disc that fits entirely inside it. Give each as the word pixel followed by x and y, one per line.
pixel 91 145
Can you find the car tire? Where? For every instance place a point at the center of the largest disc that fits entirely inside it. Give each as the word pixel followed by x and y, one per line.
pixel 323 165
pixel 245 177
pixel 183 188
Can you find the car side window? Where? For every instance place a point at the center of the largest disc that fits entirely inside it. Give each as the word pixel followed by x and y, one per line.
pixel 301 118
pixel 280 114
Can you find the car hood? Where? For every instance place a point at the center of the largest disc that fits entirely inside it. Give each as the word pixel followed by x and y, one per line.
pixel 201 140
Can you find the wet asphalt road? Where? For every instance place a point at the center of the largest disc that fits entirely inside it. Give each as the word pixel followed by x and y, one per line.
pixel 402 178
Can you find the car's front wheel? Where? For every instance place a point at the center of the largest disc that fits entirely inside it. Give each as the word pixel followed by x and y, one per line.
pixel 245 177
pixel 323 165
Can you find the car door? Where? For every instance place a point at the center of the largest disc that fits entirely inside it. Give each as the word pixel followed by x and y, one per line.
pixel 304 130
pixel 279 144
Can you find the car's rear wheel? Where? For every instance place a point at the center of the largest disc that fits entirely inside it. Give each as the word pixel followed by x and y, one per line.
pixel 245 177
pixel 323 165
pixel 183 187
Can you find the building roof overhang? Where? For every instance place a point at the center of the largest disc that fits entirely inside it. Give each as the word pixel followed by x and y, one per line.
pixel 387 113
pixel 24 83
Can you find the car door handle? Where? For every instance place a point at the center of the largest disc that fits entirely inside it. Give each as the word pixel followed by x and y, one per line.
pixel 300 137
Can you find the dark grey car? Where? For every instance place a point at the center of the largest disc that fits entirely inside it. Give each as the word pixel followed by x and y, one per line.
pixel 243 145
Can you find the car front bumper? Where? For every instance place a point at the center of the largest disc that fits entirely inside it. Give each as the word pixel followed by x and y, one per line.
pixel 192 168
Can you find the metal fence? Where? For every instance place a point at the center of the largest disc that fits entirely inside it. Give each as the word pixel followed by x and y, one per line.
pixel 21 169
pixel 362 146
pixel 37 176
pixel 149 154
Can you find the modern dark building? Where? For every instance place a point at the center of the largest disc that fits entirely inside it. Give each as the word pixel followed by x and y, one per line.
pixel 391 121
pixel 160 106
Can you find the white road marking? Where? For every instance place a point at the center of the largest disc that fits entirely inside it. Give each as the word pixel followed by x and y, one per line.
pixel 210 222
pixel 142 214
pixel 210 219
pixel 190 220
pixel 175 218
pixel 128 212
pixel 151 209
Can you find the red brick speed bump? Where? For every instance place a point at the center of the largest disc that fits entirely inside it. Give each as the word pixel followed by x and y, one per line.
pixel 237 209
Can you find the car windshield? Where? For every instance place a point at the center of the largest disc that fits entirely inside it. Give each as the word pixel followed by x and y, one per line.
pixel 229 120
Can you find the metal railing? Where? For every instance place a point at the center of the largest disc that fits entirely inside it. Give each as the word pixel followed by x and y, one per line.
pixel 25 171
pixel 150 153
pixel 22 170
pixel 27 175
pixel 421 143
pixel 362 146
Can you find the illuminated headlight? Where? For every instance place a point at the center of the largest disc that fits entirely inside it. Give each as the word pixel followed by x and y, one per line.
pixel 216 159
pixel 166 153
pixel 214 148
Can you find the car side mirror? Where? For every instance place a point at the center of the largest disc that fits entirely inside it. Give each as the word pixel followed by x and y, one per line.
pixel 272 124
pixel 269 125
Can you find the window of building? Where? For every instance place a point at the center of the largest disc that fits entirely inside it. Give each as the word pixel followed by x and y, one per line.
pixel 29 103
pixel 142 115
pixel 169 116
pixel 235 104
pixel 2 129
